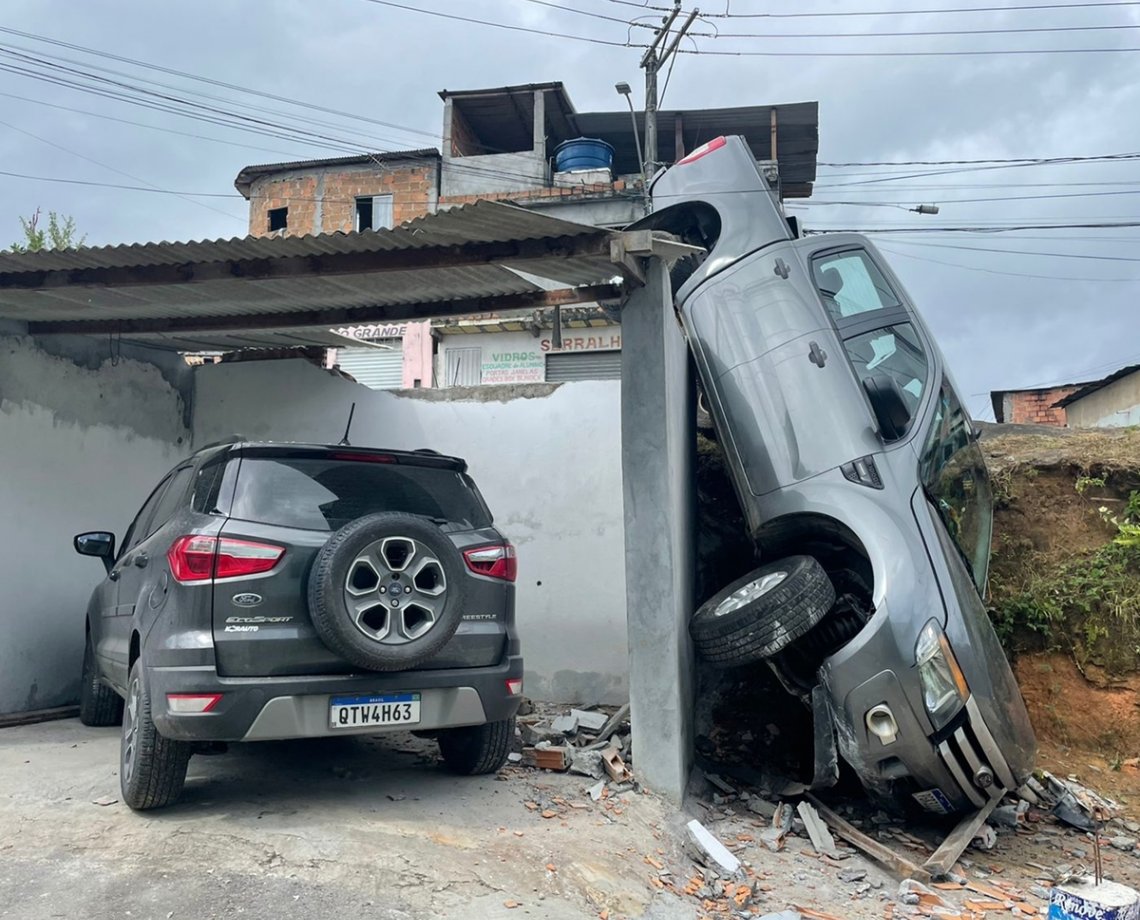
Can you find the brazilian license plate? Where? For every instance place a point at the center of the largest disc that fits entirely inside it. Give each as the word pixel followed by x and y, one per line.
pixel 379 709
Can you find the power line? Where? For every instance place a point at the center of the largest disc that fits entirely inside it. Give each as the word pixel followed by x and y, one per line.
pixel 1021 252
pixel 949 201
pixel 918 33
pixel 993 228
pixel 114 169
pixel 848 13
pixel 1044 161
pixel 503 25
pixel 219 83
pixel 998 271
pixel 966 162
pixel 1004 52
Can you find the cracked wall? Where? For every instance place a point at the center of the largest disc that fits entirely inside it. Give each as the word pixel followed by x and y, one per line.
pixel 82 441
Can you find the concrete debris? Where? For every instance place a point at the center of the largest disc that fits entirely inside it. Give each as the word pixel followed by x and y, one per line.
pixel 536 732
pixel 783 915
pixel 587 763
pixel 761 807
pixel 912 892
pixel 615 766
pixel 720 784
pixel 712 848
pixel 985 838
pixel 1010 815
pixel 514 757
pixel 1128 844
pixel 852 875
pixel 591 721
pixel 565 725
pixel 773 837
pixel 597 790
pixel 616 721
pixel 105 800
pixel 1076 804
pixel 817 830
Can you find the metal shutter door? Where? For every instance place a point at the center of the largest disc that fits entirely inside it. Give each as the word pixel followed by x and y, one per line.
pixel 464 366
pixel 583 365
pixel 378 368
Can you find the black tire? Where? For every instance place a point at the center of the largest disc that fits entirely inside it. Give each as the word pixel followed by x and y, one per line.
pixel 477 749
pixel 99 705
pixel 759 627
pixel 328 607
pixel 152 769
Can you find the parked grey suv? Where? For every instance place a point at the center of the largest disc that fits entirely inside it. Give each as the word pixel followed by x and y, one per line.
pixel 271 591
pixel 858 471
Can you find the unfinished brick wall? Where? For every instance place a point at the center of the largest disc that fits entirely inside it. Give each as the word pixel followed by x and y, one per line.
pixel 1035 407
pixel 328 196
pixel 538 194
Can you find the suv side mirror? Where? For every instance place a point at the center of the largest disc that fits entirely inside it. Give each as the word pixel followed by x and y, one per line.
pixel 889 406
pixel 97 543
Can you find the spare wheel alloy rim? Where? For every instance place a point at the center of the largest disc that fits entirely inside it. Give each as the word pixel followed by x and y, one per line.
pixel 747 594
pixel 395 590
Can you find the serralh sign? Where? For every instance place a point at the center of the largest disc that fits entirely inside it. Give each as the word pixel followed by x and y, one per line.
pixel 599 340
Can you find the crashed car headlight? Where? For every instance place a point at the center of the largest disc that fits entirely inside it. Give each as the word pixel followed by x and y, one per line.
pixel 944 689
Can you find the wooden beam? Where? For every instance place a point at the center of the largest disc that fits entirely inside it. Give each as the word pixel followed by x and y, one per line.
pixel 774 141
pixel 339 316
pixel 877 851
pixel 678 138
pixel 322 265
pixel 942 860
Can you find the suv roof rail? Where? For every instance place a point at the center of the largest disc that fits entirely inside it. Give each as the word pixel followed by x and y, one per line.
pixel 222 442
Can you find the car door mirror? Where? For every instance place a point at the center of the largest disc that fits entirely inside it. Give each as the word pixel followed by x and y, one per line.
pixel 889 406
pixel 97 543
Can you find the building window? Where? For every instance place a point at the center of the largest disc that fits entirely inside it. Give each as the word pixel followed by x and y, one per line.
pixel 278 219
pixel 374 213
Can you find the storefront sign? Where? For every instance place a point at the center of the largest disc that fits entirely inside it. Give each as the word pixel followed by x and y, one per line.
pixel 513 366
pixel 572 340
pixel 374 331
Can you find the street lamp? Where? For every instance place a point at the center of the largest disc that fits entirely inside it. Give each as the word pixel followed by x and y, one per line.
pixel 624 90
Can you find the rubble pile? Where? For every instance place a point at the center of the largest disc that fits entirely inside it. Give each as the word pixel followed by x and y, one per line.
pixel 590 742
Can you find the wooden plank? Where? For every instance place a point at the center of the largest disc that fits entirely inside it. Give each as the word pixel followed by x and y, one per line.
pixel 39 715
pixel 877 851
pixel 942 860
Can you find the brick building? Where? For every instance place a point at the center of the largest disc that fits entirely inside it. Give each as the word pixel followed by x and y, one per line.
pixel 1033 407
pixel 503 144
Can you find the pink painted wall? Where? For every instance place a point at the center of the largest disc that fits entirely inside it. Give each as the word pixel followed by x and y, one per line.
pixel 417 355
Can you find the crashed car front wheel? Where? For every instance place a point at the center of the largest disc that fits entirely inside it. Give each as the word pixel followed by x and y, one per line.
pixel 762 613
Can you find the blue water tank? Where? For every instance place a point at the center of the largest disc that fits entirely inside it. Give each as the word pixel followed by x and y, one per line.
pixel 583 153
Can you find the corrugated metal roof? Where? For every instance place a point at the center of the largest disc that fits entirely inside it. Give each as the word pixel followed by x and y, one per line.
pixel 1090 388
pixel 165 290
pixel 250 174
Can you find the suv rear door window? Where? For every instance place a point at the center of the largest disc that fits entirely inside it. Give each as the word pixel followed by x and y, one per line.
pixel 852 284
pixel 170 500
pixel 324 493
pixel 894 352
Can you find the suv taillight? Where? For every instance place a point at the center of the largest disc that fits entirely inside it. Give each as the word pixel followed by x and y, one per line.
pixel 493 561
pixel 200 558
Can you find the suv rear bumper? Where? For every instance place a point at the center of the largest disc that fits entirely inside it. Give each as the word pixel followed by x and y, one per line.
pixel 277 708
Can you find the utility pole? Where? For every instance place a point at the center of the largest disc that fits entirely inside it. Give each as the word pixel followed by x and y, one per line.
pixel 651 63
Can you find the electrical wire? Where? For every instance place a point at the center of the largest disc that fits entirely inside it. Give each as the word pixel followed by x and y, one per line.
pixel 998 271
pixel 849 13
pixel 973 52
pixel 503 25
pixel 1021 252
pixel 951 201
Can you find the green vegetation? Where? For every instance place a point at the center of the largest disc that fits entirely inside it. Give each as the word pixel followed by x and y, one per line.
pixel 1087 604
pixel 59 233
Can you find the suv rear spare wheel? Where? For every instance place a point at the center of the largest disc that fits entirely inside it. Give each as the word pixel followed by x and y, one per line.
pixel 762 613
pixel 386 591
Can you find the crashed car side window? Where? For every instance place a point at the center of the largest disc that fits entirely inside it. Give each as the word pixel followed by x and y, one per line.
pixel 895 352
pixel 851 283
pixel 957 483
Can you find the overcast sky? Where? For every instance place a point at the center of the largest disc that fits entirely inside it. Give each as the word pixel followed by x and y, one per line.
pixel 1034 326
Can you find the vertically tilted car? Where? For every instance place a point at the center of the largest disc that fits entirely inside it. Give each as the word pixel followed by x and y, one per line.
pixel 863 487
pixel 271 591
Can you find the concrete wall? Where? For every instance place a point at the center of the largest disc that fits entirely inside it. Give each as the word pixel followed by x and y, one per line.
pixel 82 442
pixel 1114 406
pixel 547 459
pixel 493 172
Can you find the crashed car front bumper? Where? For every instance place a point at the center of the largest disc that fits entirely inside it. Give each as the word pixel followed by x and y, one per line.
pixel 885 734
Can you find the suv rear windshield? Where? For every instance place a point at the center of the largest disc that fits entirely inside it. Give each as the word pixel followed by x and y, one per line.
pixel 323 493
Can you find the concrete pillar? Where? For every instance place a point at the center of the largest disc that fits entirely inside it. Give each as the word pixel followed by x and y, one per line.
pixel 658 447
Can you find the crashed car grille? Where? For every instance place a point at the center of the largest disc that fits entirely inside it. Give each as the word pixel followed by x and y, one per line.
pixel 969 752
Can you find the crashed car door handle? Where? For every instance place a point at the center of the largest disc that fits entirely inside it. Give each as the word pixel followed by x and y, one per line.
pixel 817 355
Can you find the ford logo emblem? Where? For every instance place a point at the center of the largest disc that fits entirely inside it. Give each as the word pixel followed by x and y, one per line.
pixel 246 600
